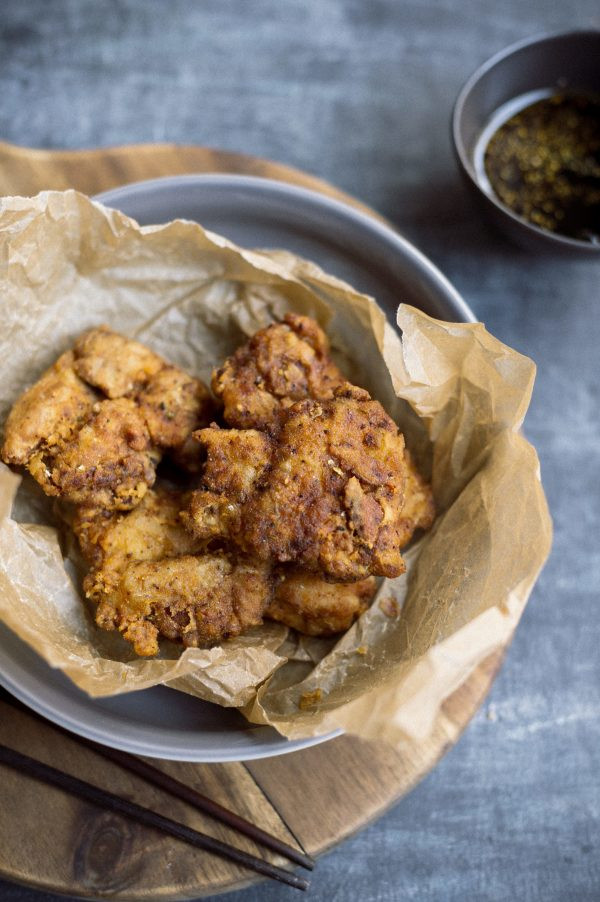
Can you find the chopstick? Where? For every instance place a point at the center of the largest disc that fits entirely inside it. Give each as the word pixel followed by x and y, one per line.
pixel 176 788
pixel 111 802
pixel 203 803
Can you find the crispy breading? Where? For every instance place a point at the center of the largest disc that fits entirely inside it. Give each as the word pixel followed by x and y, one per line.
pixel 114 364
pixel 172 402
pixel 418 510
pixel 332 497
pixel 105 452
pixel 318 608
pixel 235 460
pixel 173 405
pixel 90 524
pixel 209 515
pixel 108 463
pixel 197 599
pixel 110 541
pixel 151 577
pixel 47 413
pixel 278 365
pixel 339 495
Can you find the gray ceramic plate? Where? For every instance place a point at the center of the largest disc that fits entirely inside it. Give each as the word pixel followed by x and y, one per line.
pixel 255 213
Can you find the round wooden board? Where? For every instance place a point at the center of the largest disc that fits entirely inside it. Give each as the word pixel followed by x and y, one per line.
pixel 313 798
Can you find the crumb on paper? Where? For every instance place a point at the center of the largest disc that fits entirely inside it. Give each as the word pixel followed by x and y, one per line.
pixel 390 606
pixel 361 650
pixel 308 699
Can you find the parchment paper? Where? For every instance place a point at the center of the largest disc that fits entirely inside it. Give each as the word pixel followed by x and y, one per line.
pixel 458 394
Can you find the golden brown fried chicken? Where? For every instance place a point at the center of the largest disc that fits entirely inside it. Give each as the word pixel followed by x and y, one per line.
pixel 173 405
pixel 104 453
pixel 339 496
pixel 332 498
pixel 111 541
pixel 114 364
pixel 278 365
pixel 316 476
pixel 198 599
pixel 318 608
pixel 108 463
pixel 172 402
pixel 48 413
pixel 150 576
pixel 235 460
pixel 418 510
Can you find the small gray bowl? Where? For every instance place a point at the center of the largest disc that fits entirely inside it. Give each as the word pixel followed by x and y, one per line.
pixel 501 87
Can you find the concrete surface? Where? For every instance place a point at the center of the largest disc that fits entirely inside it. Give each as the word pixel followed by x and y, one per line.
pixel 360 92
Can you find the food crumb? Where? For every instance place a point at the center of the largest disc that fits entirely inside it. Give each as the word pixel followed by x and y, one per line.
pixel 389 606
pixel 491 713
pixel 308 699
pixel 361 650
pixel 335 468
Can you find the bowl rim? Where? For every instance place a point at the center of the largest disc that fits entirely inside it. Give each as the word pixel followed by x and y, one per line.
pixel 382 230
pixel 464 158
pixel 134 744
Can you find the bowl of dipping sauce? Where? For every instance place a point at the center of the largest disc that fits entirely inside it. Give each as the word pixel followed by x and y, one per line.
pixel 526 130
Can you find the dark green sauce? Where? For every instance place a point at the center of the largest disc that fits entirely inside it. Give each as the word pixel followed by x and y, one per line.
pixel 544 163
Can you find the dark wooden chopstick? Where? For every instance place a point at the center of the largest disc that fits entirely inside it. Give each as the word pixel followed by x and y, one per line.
pixel 176 788
pixel 198 800
pixel 111 802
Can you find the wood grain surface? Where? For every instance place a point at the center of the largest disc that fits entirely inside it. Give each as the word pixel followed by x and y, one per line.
pixel 26 170
pixel 314 798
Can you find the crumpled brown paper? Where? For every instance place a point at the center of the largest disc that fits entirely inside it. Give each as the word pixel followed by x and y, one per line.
pixel 458 394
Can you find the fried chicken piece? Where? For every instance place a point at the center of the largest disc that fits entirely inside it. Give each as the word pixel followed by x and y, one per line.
pixel 87 451
pixel 212 516
pixel 418 510
pixel 285 362
pixel 172 402
pixel 197 599
pixel 105 452
pixel 114 364
pixel 173 405
pixel 108 463
pixel 48 413
pixel 334 493
pixel 332 498
pixel 111 541
pixel 318 608
pixel 235 461
pixel 150 576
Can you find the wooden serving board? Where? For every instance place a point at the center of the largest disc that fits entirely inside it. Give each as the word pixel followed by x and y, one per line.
pixel 313 798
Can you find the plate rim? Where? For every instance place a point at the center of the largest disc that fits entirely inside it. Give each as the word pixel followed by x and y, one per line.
pixel 383 230
pixel 80 728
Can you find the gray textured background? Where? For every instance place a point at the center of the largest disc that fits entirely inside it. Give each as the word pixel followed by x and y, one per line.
pixel 360 92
